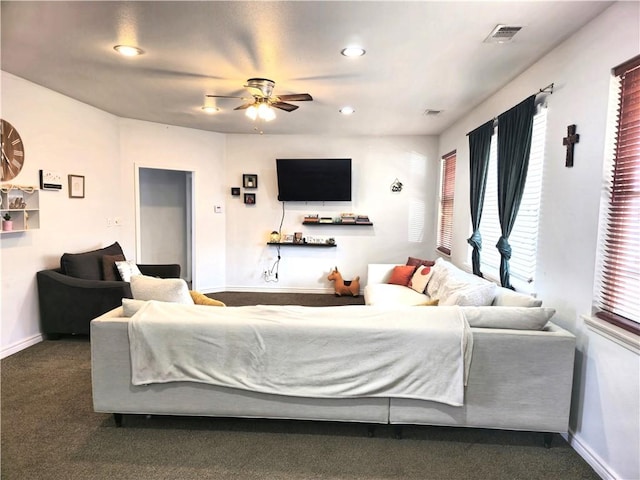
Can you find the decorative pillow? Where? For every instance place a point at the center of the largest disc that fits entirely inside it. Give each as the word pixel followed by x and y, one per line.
pixel 401 274
pixel 508 298
pixel 162 289
pixel 430 303
pixel 130 306
pixel 439 273
pixel 416 262
pixel 471 295
pixel 127 268
pixel 87 265
pixel 109 270
pixel 420 278
pixel 201 299
pixel 514 318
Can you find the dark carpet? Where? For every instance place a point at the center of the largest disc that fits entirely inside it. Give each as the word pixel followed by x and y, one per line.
pixel 49 431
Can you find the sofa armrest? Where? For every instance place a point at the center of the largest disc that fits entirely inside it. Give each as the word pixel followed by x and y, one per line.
pixel 68 304
pixel 170 270
pixel 379 272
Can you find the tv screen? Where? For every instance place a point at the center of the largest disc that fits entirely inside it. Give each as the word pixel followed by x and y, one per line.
pixel 314 179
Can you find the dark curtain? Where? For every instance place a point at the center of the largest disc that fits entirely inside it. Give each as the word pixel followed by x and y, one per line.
pixel 479 146
pixel 514 144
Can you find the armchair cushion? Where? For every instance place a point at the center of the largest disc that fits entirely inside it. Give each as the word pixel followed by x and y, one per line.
pixel 88 265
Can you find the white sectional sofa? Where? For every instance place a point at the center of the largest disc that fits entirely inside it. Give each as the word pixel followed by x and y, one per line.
pixel 519 378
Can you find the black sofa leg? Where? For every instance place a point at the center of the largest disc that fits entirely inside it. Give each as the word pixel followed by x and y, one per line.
pixel 547 439
pixel 371 431
pixel 117 417
pixel 397 432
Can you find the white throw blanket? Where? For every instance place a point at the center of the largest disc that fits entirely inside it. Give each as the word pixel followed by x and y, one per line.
pixel 322 352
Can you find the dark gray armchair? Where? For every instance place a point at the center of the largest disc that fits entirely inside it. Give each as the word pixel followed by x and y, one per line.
pixel 68 303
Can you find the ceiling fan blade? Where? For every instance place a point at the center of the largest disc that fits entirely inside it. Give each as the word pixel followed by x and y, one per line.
pixel 284 106
pixel 226 96
pixel 296 97
pixel 245 106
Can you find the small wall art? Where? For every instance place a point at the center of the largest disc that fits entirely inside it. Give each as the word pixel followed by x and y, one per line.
pixel 250 198
pixel 250 180
pixel 76 186
pixel 235 191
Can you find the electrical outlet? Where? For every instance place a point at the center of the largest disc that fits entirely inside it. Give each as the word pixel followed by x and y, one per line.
pixel 109 222
pixel 117 221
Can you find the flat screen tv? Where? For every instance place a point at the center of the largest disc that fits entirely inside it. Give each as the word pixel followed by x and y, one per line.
pixel 314 179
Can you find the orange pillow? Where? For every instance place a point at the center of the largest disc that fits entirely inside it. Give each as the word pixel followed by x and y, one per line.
pixel 401 275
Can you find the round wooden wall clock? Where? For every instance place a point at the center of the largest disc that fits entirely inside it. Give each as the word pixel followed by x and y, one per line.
pixel 12 151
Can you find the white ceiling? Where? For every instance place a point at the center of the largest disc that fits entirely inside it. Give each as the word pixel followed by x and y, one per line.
pixel 420 55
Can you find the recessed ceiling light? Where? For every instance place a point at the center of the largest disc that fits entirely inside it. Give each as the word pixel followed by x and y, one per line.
pixel 128 50
pixel 210 109
pixel 347 110
pixel 353 51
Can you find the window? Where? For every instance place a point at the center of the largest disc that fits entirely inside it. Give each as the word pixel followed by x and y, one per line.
pixel 447 187
pixel 524 236
pixel 617 296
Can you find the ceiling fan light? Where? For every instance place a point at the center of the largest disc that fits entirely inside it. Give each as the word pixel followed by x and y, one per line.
pixel 128 50
pixel 252 112
pixel 353 51
pixel 210 109
pixel 268 114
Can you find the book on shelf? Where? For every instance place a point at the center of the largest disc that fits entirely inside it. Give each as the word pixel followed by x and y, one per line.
pixel 362 219
pixel 325 220
pixel 311 219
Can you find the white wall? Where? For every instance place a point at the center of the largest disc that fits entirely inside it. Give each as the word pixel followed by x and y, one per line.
pixel 606 394
pixel 147 144
pixel 69 137
pixel 404 223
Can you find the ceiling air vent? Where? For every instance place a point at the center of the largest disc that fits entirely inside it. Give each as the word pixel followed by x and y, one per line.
pixel 431 113
pixel 502 34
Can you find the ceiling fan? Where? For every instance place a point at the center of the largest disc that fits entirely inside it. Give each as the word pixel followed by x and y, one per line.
pixel 261 89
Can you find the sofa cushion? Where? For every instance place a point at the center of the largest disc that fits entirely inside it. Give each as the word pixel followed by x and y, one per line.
pixel 420 278
pixel 471 295
pixel 88 265
pixel 513 318
pixel 401 275
pixel 162 289
pixel 508 298
pixel 109 270
pixel 388 294
pixel 126 269
pixel 130 306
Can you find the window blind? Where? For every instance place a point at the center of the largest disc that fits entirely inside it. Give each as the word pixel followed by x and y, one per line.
pixel 445 224
pixel 618 286
pixel 524 236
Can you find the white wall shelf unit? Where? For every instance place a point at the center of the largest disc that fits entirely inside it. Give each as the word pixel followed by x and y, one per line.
pixel 22 203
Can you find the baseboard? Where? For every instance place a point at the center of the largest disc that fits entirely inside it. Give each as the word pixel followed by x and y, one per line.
pixel 21 345
pixel 589 456
pixel 273 289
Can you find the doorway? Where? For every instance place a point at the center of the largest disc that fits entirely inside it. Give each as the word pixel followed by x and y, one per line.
pixel 165 222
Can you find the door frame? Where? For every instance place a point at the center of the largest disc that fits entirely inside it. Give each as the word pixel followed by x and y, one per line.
pixel 190 205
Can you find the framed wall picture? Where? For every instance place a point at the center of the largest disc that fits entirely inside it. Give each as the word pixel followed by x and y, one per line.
pixel 250 198
pixel 235 191
pixel 76 186
pixel 250 180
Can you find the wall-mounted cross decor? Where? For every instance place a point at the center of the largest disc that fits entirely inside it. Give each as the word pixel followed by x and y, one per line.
pixel 569 141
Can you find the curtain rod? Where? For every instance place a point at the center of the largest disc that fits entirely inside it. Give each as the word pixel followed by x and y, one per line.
pixel 548 89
